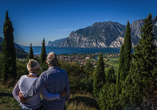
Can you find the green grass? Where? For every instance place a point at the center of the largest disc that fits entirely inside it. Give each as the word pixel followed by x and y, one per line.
pixel 84 101
pixel 7 102
pixel 79 101
pixel 113 59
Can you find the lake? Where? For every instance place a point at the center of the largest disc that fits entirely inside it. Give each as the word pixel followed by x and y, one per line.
pixel 70 50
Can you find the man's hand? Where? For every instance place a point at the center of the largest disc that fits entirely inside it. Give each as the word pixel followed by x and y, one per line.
pixel 63 93
pixel 22 99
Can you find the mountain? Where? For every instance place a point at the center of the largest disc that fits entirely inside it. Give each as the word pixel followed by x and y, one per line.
pixel 56 43
pixel 97 35
pixel 136 27
pixel 17 47
pixel 106 34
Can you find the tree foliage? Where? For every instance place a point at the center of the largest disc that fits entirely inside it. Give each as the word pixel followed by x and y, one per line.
pixel 120 68
pixel 127 52
pixel 99 76
pixel 125 59
pixel 30 54
pixel 42 58
pixel 110 75
pixel 88 68
pixel 108 97
pixel 43 52
pixel 9 56
pixel 75 73
pixel 1 63
pixel 21 68
pixel 141 82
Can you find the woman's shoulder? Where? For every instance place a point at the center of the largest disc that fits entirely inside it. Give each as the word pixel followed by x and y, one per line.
pixel 23 76
pixel 26 77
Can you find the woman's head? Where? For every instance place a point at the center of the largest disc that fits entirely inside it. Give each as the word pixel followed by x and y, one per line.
pixel 33 66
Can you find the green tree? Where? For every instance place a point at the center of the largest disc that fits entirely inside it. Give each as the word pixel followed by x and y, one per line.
pixel 127 52
pixel 1 63
pixel 75 73
pixel 108 98
pixel 110 76
pixel 44 67
pixel 30 55
pixel 43 52
pixel 1 47
pixel 141 79
pixel 42 58
pixel 9 56
pixel 21 68
pixel 125 59
pixel 99 76
pixel 88 68
pixel 120 68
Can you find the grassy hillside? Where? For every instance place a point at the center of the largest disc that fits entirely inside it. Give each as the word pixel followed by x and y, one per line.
pixel 81 97
pixel 78 101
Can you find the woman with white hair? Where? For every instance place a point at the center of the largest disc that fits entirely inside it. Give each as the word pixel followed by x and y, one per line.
pixel 26 82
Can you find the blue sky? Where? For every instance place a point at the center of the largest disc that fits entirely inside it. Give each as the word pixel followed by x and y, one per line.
pixel 34 20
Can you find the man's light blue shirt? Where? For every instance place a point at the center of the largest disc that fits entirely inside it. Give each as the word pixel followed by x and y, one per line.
pixel 55 80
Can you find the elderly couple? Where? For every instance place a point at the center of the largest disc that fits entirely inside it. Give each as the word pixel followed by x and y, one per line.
pixel 52 84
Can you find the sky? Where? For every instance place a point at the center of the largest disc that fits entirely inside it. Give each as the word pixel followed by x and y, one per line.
pixel 34 20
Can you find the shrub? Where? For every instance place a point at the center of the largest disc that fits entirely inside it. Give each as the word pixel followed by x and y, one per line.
pixel 108 98
pixel 78 78
pixel 75 73
pixel 86 84
pixel 21 68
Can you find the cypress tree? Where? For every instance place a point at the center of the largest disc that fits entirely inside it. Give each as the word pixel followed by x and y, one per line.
pixel 127 52
pixel 43 52
pixel 30 55
pixel 110 77
pixel 99 76
pixel 143 69
pixel 125 59
pixel 9 56
pixel 120 68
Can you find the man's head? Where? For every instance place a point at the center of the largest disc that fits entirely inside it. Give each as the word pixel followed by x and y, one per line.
pixel 52 59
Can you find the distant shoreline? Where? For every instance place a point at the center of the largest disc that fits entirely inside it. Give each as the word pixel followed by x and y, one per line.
pixel 71 50
pixel 74 47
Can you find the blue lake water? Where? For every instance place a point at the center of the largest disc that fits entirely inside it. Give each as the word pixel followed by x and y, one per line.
pixel 70 50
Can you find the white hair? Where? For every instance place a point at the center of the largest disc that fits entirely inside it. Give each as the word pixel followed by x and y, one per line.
pixel 52 59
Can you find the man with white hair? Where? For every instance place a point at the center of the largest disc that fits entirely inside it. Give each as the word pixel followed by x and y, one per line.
pixel 55 80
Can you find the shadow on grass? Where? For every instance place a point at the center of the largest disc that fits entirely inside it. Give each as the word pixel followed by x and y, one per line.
pixel 86 100
pixel 6 94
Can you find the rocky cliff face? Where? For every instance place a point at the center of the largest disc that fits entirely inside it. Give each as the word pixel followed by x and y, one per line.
pixel 136 27
pixel 97 35
pixel 117 43
pixel 106 34
pixel 56 43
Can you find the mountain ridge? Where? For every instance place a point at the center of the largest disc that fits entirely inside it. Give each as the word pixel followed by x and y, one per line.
pixel 15 44
pixel 106 35
pixel 56 43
